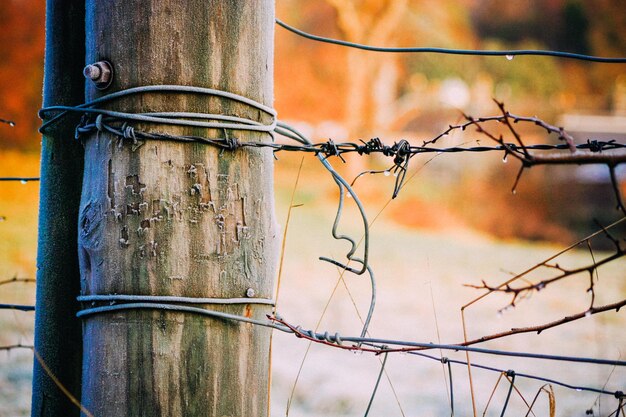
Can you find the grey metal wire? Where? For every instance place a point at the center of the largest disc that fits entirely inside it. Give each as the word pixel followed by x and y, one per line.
pixel 238 123
pixel 510 374
pixel 19 307
pixel 20 179
pixel 381 345
pixel 178 308
pixel 292 133
pixel 244 124
pixel 172 299
pixel 380 374
pixel 378 343
pixel 507 53
pixel 338 340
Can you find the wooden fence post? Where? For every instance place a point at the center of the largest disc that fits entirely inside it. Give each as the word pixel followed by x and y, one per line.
pixel 58 338
pixel 178 219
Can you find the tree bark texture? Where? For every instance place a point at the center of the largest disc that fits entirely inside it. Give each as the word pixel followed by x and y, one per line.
pixel 58 337
pixel 180 219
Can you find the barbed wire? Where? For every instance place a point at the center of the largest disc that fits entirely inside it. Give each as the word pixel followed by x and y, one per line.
pixel 597 152
pixel 330 148
pixel 508 53
pixel 401 152
pixel 95 120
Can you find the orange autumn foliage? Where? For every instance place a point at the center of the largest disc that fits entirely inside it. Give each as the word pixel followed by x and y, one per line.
pixel 21 71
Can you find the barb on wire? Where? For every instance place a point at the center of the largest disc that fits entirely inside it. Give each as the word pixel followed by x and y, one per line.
pixel 506 53
pixel 401 152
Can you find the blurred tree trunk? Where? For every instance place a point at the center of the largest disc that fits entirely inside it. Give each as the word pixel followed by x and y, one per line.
pixel 372 23
pixel 179 219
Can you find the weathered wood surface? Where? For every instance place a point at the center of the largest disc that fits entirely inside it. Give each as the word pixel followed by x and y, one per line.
pixel 179 219
pixel 58 335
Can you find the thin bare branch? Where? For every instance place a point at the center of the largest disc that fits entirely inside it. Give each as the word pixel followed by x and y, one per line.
pixel 16 279
pixel 538 329
pixel 15 346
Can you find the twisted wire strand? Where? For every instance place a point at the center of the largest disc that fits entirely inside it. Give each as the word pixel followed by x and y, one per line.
pixel 378 346
pixel 244 124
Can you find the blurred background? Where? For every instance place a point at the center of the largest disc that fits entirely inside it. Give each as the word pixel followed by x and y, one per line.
pixel 455 222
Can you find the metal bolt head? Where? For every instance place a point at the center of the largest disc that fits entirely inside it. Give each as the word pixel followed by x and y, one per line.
pixel 92 72
pixel 101 73
pixel 250 293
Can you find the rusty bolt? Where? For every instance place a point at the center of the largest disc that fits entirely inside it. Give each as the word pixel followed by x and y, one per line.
pixel 101 73
pixel 250 293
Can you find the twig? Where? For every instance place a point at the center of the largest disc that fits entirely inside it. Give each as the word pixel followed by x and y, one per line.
pixel 538 329
pixel 15 346
pixel 519 291
pixel 16 279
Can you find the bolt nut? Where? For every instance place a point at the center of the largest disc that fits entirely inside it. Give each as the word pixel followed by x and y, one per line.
pixel 101 73
pixel 92 72
pixel 250 293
